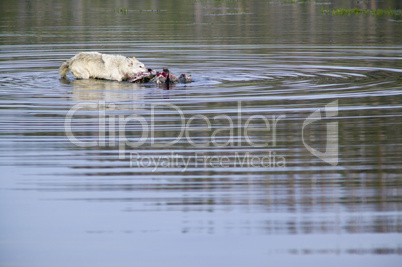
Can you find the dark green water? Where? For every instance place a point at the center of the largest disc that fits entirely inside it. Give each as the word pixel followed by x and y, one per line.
pixel 285 150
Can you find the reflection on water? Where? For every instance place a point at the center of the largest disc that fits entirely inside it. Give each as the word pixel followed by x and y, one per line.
pixel 216 167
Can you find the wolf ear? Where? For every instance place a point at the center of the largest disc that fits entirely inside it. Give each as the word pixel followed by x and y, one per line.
pixel 129 61
pixel 134 58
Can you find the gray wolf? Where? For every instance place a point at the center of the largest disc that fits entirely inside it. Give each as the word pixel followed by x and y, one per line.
pixel 87 65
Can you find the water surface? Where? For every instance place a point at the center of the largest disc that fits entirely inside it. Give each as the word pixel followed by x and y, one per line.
pixel 102 173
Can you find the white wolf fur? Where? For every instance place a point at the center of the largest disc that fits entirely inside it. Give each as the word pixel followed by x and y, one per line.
pixel 87 65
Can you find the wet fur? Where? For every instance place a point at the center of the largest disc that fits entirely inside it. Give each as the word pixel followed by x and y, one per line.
pixel 87 65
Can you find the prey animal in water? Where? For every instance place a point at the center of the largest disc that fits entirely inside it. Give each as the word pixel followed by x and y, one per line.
pixel 164 77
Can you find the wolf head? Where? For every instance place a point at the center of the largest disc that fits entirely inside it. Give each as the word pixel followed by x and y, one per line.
pixel 135 67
